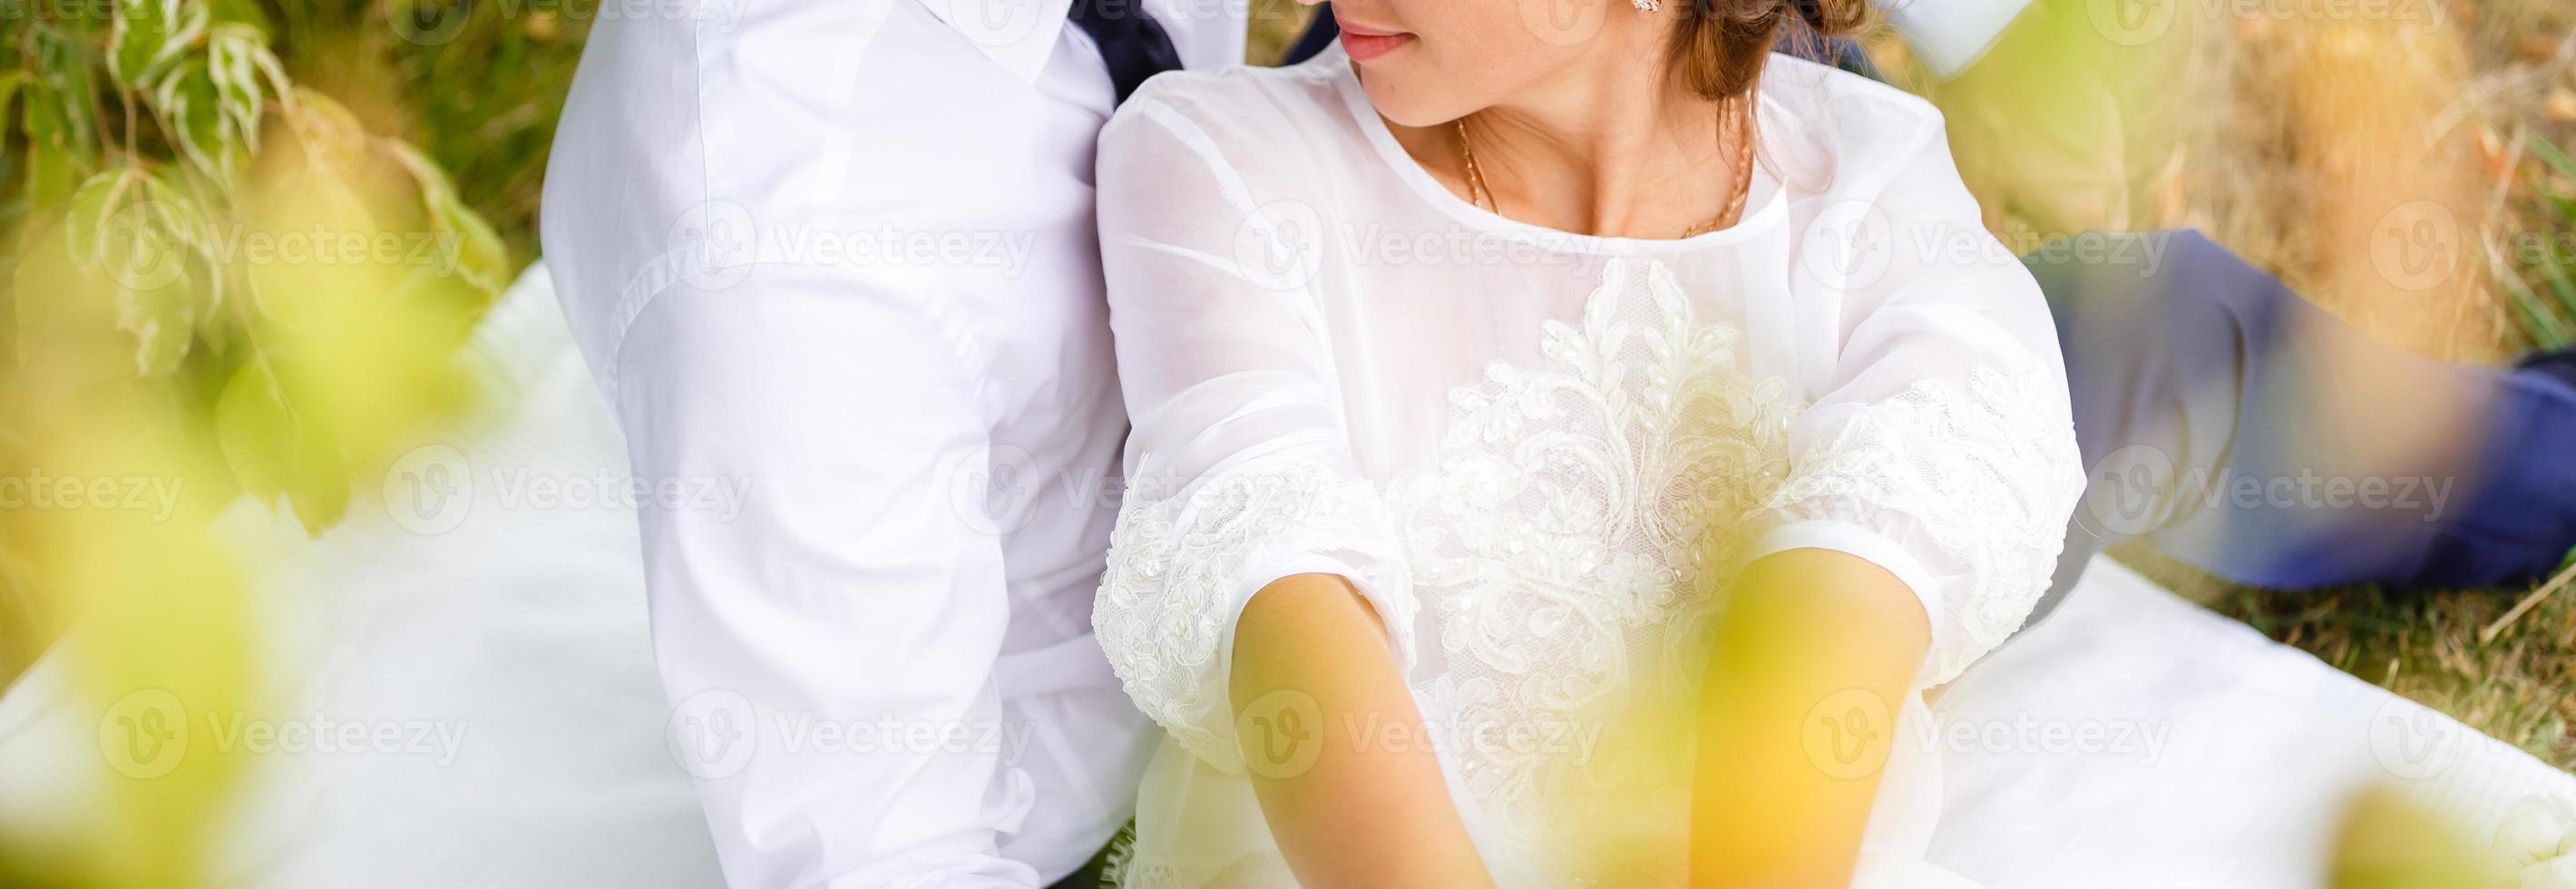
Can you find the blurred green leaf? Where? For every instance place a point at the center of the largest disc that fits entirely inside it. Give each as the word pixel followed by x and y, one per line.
pixel 471 265
pixel 217 322
pixel 478 252
pixel 136 240
pixel 214 281
pixel 207 138
pixel 86 218
pixel 331 135
pixel 236 56
pixel 59 143
pixel 47 310
pixel 62 95
pixel 317 208
pixel 148 34
pixel 483 259
pixel 51 174
pixel 256 431
pixel 10 81
pixel 176 231
pixel 244 12
pixel 273 453
pixel 152 336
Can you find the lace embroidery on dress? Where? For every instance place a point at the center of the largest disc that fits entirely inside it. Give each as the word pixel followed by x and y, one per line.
pixel 1987 476
pixel 1565 543
pixel 1567 547
pixel 1168 596
pixel 1260 870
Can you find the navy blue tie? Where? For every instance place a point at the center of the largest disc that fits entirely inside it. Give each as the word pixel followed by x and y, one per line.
pixel 1134 46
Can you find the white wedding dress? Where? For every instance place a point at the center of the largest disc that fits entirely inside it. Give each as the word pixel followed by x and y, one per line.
pixel 567 778
pixel 1542 456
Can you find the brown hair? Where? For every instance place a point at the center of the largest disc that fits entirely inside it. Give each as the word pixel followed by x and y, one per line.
pixel 1719 48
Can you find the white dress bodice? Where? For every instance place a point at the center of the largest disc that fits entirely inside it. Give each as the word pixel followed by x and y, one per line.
pixel 1543 456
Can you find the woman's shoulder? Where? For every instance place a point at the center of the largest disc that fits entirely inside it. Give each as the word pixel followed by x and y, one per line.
pixel 1240 112
pixel 1841 130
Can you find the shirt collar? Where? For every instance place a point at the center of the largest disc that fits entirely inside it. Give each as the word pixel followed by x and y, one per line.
pixel 1018 35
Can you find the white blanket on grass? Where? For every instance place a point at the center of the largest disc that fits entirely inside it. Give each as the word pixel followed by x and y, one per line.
pixel 2133 739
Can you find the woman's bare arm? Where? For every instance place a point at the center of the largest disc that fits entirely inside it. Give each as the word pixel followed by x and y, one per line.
pixel 1814 657
pixel 1351 803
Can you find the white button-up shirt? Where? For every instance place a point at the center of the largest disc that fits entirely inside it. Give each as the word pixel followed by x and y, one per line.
pixel 843 253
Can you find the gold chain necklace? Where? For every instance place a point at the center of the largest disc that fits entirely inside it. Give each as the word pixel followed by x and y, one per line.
pixel 1482 196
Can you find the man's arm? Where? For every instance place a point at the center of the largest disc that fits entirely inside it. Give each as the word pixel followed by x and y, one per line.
pixel 2041 114
pixel 1951 34
pixel 842 588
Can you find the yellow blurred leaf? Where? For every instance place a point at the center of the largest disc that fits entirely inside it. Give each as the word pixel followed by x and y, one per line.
pixel 273 453
pixel 2388 842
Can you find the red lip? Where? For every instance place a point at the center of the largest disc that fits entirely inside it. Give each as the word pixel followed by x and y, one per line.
pixel 1364 43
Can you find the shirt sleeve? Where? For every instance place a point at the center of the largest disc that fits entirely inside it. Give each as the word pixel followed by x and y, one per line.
pixel 1942 448
pixel 842 590
pixel 1951 34
pixel 1239 467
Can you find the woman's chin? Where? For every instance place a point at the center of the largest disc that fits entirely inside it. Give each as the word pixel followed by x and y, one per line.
pixel 1407 108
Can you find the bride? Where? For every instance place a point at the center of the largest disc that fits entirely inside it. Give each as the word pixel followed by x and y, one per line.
pixel 1563 455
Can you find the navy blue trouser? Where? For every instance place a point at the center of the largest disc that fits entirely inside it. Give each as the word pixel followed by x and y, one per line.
pixel 2224 418
pixel 2201 390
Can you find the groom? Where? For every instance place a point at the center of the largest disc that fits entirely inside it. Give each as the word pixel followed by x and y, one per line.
pixel 846 250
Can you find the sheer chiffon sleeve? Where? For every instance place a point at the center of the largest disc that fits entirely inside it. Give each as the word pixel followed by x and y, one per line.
pixel 1239 467
pixel 1942 450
